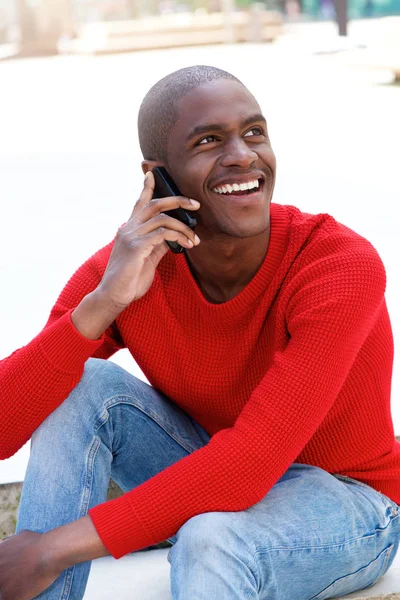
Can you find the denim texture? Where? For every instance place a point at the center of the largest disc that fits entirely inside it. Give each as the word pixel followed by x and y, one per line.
pixel 315 535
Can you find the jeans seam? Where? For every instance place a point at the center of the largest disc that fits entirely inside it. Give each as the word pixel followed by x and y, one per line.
pixel 88 484
pixel 388 502
pixel 388 552
pixel 85 499
pixel 322 546
pixel 69 579
pixel 115 400
pixel 385 562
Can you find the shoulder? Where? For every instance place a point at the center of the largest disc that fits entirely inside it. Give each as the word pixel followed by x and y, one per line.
pixel 322 236
pixel 325 250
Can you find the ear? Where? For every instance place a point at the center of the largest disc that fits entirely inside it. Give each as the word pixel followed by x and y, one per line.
pixel 148 165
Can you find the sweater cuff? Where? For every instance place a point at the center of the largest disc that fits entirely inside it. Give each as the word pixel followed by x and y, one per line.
pixel 119 527
pixel 65 347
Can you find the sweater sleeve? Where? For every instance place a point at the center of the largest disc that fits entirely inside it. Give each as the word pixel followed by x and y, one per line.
pixel 35 379
pixel 331 309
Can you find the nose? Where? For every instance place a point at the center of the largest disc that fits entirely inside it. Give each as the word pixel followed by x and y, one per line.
pixel 238 153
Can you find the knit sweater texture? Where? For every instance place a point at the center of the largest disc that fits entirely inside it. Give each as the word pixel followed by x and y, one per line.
pixel 296 368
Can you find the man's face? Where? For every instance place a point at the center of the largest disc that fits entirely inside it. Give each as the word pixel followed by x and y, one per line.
pixel 220 142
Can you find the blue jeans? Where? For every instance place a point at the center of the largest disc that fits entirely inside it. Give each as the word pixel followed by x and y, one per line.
pixel 313 536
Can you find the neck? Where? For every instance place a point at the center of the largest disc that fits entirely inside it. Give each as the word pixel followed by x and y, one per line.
pixel 222 266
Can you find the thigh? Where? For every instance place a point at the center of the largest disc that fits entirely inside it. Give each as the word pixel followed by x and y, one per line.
pixel 322 535
pixel 313 536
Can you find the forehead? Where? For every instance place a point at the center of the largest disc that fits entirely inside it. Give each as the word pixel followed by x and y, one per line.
pixel 223 101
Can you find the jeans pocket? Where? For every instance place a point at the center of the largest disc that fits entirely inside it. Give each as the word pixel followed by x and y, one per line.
pixel 363 578
pixel 388 503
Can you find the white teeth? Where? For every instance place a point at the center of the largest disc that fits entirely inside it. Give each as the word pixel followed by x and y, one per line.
pixel 228 188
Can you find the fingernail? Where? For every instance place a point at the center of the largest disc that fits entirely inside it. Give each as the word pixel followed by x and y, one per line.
pixel 195 202
pixel 197 239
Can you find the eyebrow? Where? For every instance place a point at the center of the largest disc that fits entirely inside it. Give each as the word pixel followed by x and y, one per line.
pixel 200 129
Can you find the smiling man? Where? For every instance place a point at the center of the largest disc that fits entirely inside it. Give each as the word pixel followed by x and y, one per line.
pixel 264 449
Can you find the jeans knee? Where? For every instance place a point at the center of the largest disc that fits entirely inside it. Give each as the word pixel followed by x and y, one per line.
pixel 85 402
pixel 213 537
pixel 215 529
pixel 200 531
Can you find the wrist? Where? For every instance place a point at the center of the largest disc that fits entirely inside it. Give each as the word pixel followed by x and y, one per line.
pixel 71 544
pixel 93 315
pixel 107 304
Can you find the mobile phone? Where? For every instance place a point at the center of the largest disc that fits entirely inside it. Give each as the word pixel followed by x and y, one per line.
pixel 164 187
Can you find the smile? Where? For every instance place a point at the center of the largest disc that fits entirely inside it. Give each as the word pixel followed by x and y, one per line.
pixel 243 188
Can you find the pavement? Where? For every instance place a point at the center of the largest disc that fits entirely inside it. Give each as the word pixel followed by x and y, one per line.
pixel 70 174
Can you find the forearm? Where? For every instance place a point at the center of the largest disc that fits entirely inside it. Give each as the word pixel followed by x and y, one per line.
pixel 73 543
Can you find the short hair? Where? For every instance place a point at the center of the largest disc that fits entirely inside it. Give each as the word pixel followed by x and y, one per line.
pixel 158 112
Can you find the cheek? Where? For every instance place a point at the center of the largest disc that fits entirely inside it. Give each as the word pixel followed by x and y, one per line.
pixel 273 157
pixel 269 159
pixel 197 173
pixel 179 173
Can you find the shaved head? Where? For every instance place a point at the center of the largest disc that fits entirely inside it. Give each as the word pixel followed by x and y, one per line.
pixel 158 112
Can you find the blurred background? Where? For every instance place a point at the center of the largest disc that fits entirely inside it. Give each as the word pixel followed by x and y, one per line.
pixel 40 25
pixel 73 74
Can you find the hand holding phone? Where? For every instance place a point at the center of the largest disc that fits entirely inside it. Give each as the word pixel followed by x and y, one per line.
pixel 165 187
pixel 138 248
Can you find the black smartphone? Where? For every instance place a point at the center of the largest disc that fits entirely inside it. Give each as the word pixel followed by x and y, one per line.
pixel 164 187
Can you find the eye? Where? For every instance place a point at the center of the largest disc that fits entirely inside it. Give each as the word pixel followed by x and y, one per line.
pixel 254 131
pixel 207 140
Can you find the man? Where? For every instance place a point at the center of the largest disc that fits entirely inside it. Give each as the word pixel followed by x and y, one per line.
pixel 264 448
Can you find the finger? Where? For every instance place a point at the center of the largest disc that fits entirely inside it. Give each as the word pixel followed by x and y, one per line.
pixel 162 205
pixel 162 234
pixel 167 222
pixel 146 195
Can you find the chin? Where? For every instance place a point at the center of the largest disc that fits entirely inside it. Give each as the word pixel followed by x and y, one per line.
pixel 247 230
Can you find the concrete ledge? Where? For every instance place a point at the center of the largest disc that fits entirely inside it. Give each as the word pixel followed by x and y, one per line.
pixel 10 495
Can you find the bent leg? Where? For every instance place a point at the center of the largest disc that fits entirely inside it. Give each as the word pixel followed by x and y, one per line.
pixel 313 536
pixel 111 424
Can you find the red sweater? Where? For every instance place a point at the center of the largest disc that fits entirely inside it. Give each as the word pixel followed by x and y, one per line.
pixel 295 368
